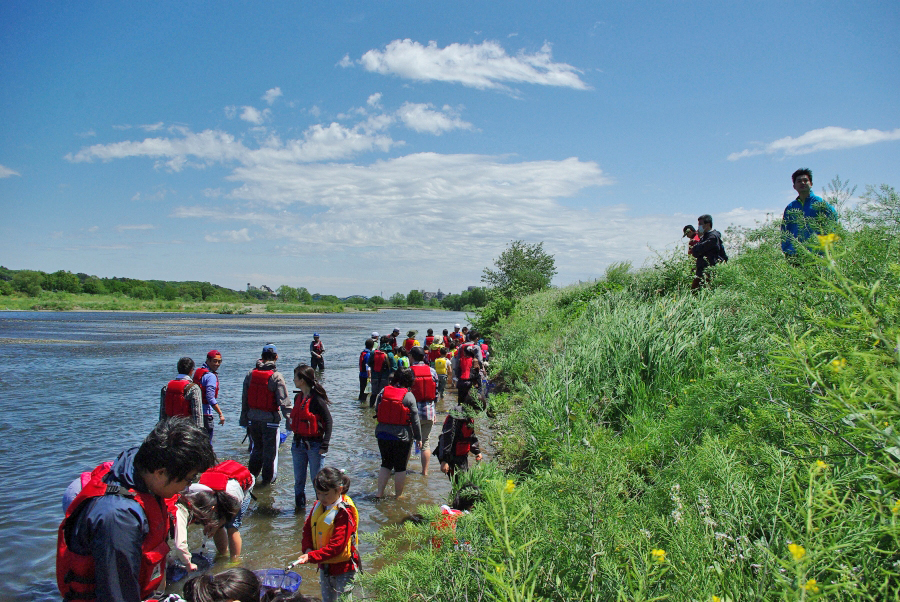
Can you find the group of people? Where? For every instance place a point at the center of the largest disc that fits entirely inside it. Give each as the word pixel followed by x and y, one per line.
pixel 114 539
pixel 804 217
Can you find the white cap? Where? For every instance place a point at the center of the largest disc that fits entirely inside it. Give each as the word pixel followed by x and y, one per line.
pixel 456 326
pixel 374 334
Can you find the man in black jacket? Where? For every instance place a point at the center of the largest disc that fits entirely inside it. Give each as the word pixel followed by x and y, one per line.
pixel 709 251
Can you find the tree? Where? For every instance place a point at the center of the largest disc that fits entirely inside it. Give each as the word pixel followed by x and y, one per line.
pixel 377 300
pixel 63 281
pixel 415 298
pixel 287 294
pixel 28 282
pixel 94 286
pixel 303 295
pixel 398 299
pixel 522 269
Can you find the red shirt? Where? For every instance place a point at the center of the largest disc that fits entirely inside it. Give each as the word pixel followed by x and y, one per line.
pixel 339 536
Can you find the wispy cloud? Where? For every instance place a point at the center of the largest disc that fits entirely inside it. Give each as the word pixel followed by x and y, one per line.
pixel 827 138
pixel 254 115
pixel 232 236
pixel 126 227
pixel 6 172
pixel 87 134
pixel 152 127
pixel 485 65
pixel 271 94
pixel 423 118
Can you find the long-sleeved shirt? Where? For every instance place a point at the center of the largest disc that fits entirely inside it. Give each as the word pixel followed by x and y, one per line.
pixel 343 530
pixel 802 219
pixel 709 251
pixel 192 395
pixel 111 529
pixel 208 384
pixel 277 385
pixel 319 407
pixel 451 434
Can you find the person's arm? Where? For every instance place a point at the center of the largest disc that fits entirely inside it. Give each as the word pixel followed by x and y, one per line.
pixel 209 382
pixel 242 421
pixel 409 400
pixel 115 546
pixel 325 416
pixel 162 403
pixel 707 246
pixel 278 386
pixel 393 359
pixel 182 551
pixel 343 530
pixel 194 397
pixel 306 539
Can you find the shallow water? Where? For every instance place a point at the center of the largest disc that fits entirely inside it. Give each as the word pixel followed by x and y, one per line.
pixel 78 388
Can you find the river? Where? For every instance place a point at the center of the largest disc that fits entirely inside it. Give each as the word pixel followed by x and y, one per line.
pixel 78 388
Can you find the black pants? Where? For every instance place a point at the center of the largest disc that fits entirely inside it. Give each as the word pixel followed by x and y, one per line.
pixel 317 363
pixel 264 436
pixel 363 381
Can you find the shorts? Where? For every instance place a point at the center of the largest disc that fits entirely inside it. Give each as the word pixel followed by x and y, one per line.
pixel 394 454
pixel 425 427
pixel 236 522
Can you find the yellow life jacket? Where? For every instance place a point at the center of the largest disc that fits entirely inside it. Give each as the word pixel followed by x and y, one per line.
pixel 440 365
pixel 322 526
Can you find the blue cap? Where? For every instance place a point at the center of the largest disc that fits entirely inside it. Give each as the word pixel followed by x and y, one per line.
pixel 269 347
pixel 315 334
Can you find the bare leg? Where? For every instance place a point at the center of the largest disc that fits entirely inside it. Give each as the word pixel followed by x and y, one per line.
pixel 234 542
pixel 399 482
pixel 426 456
pixel 383 475
pixel 221 540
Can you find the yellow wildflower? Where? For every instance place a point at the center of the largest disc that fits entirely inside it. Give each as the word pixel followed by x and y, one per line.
pixel 797 551
pixel 896 507
pixel 821 465
pixel 510 486
pixel 715 599
pixel 826 240
pixel 811 586
pixel 838 364
pixel 658 555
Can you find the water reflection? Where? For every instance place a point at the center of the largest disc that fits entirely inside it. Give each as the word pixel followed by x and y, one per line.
pixel 78 388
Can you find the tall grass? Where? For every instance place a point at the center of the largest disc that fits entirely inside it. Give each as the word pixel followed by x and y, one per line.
pixel 736 444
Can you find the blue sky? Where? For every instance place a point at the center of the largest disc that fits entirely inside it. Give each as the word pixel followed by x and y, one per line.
pixel 376 147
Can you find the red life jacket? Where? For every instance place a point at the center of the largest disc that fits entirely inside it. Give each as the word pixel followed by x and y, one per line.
pixel 465 364
pixel 304 422
pixel 391 409
pixel 424 387
pixel 380 362
pixel 75 573
pixel 198 376
pixel 429 340
pixel 462 444
pixel 218 476
pixel 176 404
pixel 318 347
pixel 456 335
pixel 363 356
pixel 409 344
pixel 258 394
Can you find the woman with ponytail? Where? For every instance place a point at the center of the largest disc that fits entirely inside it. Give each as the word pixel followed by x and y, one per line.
pixel 233 585
pixel 311 424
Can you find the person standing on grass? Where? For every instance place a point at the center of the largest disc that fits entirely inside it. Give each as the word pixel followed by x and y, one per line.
pixel 806 215
pixel 181 397
pixel 311 424
pixel 456 441
pixel 207 378
pixel 398 427
pixel 425 391
pixel 263 402
pixel 709 251
pixel 316 349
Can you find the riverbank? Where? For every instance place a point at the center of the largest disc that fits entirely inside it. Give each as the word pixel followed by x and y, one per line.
pixel 736 444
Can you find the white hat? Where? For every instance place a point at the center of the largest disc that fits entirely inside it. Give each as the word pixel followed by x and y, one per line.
pixel 456 326
pixel 374 335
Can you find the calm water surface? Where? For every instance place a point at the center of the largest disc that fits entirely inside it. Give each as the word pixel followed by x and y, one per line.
pixel 78 388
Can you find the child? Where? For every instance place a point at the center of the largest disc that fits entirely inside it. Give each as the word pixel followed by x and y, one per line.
pixel 218 503
pixel 238 585
pixel 311 423
pixel 457 439
pixel 403 359
pixel 364 369
pixel 441 366
pixel 329 534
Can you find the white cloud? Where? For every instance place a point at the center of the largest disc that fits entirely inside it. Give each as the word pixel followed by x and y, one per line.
pixel 254 115
pixel 271 95
pixel 827 138
pixel 374 100
pixel 423 118
pixel 93 229
pixel 233 236
pixel 315 111
pixel 230 111
pixel 6 172
pixel 346 61
pixel 121 127
pixel 484 65
pixel 126 227
pixel 153 127
pixel 88 134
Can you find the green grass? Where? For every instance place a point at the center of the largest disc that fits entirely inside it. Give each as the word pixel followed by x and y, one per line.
pixel 740 443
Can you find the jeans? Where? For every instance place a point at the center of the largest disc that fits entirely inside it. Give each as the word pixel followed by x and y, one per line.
pixel 305 451
pixel 379 381
pixel 333 586
pixel 264 455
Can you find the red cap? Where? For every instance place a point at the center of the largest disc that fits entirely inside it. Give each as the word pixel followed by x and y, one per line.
pixel 213 353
